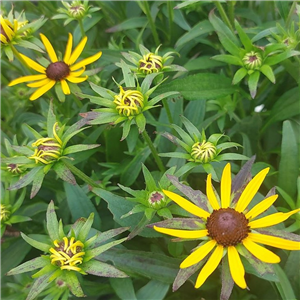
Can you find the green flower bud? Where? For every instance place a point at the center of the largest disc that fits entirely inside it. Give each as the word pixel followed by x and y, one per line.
pixel 252 60
pixel 5 212
pixel 157 200
pixel 76 10
pixel 203 152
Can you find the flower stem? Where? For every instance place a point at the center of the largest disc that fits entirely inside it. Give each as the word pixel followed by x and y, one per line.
pixel 153 151
pixel 151 22
pixel 81 28
pixel 223 14
pixel 79 173
pixel 19 57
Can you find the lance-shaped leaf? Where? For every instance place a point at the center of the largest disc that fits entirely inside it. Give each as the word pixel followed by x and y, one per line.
pixel 51 120
pixel 64 172
pixel 79 148
pixel 73 130
pixel 76 227
pixel 102 269
pixel 227 281
pixel 85 229
pixel 239 75
pixel 52 223
pixel 73 284
pixel 137 209
pixel 180 223
pixel 142 224
pixel 37 183
pixel 30 265
pixel 252 83
pixel 38 245
pixel 17 159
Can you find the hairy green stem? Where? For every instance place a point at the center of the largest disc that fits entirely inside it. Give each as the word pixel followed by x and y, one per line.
pixel 79 173
pixel 151 22
pixel 81 28
pixel 153 151
pixel 223 14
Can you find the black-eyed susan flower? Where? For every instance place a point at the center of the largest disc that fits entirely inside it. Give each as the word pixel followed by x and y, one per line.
pixel 17 31
pixel 57 71
pixel 228 227
pixel 68 256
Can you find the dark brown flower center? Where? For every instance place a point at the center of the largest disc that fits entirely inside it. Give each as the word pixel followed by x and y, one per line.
pixel 227 226
pixel 57 71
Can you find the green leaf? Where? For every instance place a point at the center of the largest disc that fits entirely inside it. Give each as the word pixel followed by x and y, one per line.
pixel 37 183
pixel 180 223
pixel 51 120
pixel 73 284
pixel 85 229
pixel 243 37
pixel 231 156
pixel 102 269
pixel 26 179
pixel 147 216
pixel 140 122
pixel 17 160
pixel 33 264
pixel 268 72
pixel 283 285
pixel 229 59
pixel 38 245
pixel 52 223
pixel 277 58
pixel 150 182
pixel 80 205
pixel 202 86
pixel 64 173
pixel 153 290
pixel 289 161
pixel 227 281
pixel 79 148
pixel 135 22
pixel 239 75
pixel 18 219
pixel 252 83
pixel 156 99
pixel 123 288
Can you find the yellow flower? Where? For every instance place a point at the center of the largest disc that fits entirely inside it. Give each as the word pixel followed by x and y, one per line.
pixel 9 30
pixel 230 227
pixel 57 70
pixel 150 63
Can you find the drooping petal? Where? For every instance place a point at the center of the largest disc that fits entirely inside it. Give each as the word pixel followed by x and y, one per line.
pixel 49 48
pixel 8 31
pixel 42 90
pixel 185 234
pixel 27 79
pixel 77 79
pixel 272 219
pixel 274 241
pixel 261 207
pixel 260 252
pixel 211 194
pixel 77 51
pixel 187 205
pixel 86 61
pixel 250 190
pixel 65 87
pixel 198 254
pixel 39 83
pixel 68 49
pixel 236 267
pixel 210 266
pixel 226 186
pixel 33 65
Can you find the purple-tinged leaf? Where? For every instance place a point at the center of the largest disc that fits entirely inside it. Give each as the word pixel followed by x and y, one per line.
pixel 227 281
pixel 280 233
pixel 37 183
pixel 141 225
pixel 52 223
pixel 99 268
pixel 76 227
pixel 85 229
pixel 180 223
pixel 196 196
pixel 64 173
pixel 73 284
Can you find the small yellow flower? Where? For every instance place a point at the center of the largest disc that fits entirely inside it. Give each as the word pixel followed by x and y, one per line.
pixel 203 152
pixel 57 70
pixel 9 30
pixel 150 63
pixel 129 103
pixel 67 254
pixel 48 149
pixel 230 226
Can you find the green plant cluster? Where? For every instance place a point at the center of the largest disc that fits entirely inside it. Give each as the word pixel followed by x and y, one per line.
pixel 180 89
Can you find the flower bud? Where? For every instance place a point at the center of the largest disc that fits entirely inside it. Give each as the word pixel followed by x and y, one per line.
pixel 5 212
pixel 203 152
pixel 157 200
pixel 76 10
pixel 15 169
pixel 129 103
pixel 150 63
pixel 252 60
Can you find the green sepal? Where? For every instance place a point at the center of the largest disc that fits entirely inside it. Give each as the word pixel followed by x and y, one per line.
pixel 73 283
pixel 46 269
pixel 227 145
pixel 126 128
pixel 268 72
pixel 243 37
pixel 150 182
pixel 102 269
pixel 229 59
pixel 135 193
pixel 38 245
pixel 33 264
pixel 61 232
pixel 140 121
pixel 84 231
pixel 186 168
pixel 239 75
pixel 52 223
pixel 165 213
pixel 193 131
pixel 79 148
pixel 76 227
pixel 98 100
pixel 252 83
pixel 149 213
pixel 91 253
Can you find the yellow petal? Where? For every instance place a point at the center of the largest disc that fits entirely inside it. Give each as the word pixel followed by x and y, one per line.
pixel 185 234
pixel 274 241
pixel 261 207
pixel 187 205
pixel 210 266
pixel 226 186
pixel 272 219
pixel 236 267
pixel 33 65
pixel 49 48
pixel 8 31
pixel 77 73
pixel 39 83
pixel 260 252
pixel 42 90
pixel 68 49
pixel 77 51
pixel 211 194
pixel 3 39
pixel 26 79
pixel 198 254
pixel 65 87
pixel 250 190
pixel 86 61
pixel 77 79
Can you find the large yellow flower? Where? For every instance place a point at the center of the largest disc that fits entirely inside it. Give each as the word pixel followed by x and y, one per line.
pixel 230 227
pixel 58 71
